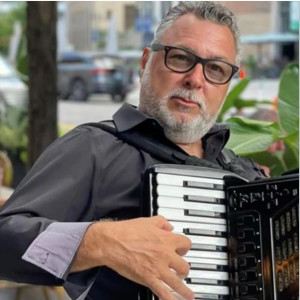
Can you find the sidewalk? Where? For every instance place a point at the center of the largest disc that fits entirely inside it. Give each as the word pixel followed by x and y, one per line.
pixel 29 292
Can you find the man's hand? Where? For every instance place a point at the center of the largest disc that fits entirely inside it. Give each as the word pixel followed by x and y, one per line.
pixel 143 250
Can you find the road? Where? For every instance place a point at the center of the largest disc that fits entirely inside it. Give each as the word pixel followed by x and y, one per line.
pixel 100 107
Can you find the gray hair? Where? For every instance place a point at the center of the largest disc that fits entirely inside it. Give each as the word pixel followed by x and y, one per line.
pixel 205 10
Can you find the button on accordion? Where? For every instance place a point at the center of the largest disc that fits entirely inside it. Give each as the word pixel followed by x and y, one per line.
pixel 244 234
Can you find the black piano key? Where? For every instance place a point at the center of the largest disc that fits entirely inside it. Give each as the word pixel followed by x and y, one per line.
pixel 204 199
pixel 206 185
pixel 212 214
pixel 192 231
pixel 201 266
pixel 199 296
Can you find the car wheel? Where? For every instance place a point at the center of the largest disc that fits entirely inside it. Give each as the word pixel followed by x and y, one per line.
pixel 62 96
pixel 78 91
pixel 118 97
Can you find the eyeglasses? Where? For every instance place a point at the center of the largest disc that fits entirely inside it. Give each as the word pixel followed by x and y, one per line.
pixel 181 61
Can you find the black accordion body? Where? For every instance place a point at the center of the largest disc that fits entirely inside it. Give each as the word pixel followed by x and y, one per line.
pixel 244 234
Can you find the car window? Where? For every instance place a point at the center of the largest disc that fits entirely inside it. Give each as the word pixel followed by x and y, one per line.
pixel 72 60
pixel 104 63
pixel 5 68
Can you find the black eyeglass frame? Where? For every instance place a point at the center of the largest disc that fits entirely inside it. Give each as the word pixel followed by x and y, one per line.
pixel 198 59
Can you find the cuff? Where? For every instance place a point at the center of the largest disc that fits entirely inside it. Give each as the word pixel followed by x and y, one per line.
pixel 54 249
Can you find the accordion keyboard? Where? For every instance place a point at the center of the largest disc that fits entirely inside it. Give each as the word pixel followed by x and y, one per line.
pixel 245 235
pixel 195 206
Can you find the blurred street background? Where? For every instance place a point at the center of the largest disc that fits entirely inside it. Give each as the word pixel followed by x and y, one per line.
pixel 67 63
pixel 100 107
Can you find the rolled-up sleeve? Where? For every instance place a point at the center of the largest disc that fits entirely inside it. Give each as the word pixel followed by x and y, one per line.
pixel 43 222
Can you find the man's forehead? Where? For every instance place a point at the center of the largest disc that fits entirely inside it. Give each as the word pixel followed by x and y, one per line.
pixel 195 34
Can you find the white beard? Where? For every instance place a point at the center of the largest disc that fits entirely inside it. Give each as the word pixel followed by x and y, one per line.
pixel 178 131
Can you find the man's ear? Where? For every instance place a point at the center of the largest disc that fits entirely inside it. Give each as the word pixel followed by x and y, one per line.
pixel 144 60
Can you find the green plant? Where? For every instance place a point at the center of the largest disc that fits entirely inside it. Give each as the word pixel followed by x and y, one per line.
pixel 13 128
pixel 7 20
pixel 252 138
pixel 6 169
pixel 251 65
pixel 234 100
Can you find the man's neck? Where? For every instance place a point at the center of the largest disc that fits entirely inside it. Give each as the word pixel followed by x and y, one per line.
pixel 195 149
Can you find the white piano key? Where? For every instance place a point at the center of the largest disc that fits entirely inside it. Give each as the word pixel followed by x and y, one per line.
pixel 174 191
pixel 207 254
pixel 179 180
pixel 174 214
pixel 206 291
pixel 164 201
pixel 207 240
pixel 209 289
pixel 208 261
pixel 180 226
pixel 217 275
pixel 206 281
pixel 194 171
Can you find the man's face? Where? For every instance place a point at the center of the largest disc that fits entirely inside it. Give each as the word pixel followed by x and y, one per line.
pixel 186 104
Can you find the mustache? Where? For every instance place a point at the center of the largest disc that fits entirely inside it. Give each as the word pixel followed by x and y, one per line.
pixel 188 95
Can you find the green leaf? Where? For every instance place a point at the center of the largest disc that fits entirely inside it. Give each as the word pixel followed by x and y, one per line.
pixel 273 160
pixel 250 136
pixel 233 94
pixel 242 103
pixel 291 157
pixel 288 105
pixel 292 141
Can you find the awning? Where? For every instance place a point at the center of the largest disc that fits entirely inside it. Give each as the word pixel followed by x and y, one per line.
pixel 269 38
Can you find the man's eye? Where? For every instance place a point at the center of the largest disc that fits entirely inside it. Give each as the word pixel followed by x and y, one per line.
pixel 215 68
pixel 181 57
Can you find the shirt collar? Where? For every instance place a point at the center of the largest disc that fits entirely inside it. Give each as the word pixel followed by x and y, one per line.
pixel 128 116
pixel 215 140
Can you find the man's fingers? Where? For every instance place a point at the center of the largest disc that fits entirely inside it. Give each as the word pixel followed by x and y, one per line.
pixel 162 223
pixel 177 285
pixel 180 266
pixel 161 290
pixel 183 244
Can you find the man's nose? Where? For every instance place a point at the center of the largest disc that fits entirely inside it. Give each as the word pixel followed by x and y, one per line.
pixel 194 79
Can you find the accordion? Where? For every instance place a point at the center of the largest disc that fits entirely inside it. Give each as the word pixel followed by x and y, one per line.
pixel 244 234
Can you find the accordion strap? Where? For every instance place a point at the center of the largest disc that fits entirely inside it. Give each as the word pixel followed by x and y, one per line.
pixel 154 147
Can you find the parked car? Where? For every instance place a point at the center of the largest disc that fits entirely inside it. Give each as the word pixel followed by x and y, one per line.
pixel 13 91
pixel 80 75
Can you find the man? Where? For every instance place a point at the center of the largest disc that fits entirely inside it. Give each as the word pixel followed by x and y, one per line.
pixel 74 219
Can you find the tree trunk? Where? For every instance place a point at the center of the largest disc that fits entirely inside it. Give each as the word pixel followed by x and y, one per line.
pixel 42 113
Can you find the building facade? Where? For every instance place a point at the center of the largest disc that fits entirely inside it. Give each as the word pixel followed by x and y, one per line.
pixel 268 29
pixel 90 21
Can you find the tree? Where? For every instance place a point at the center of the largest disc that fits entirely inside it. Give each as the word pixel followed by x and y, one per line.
pixel 41 41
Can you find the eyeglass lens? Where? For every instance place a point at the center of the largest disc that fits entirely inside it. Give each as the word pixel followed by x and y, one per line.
pixel 179 60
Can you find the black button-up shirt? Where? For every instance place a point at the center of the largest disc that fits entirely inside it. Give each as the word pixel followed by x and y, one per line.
pixel 86 175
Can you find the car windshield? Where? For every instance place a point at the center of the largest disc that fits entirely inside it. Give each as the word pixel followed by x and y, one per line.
pixel 6 70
